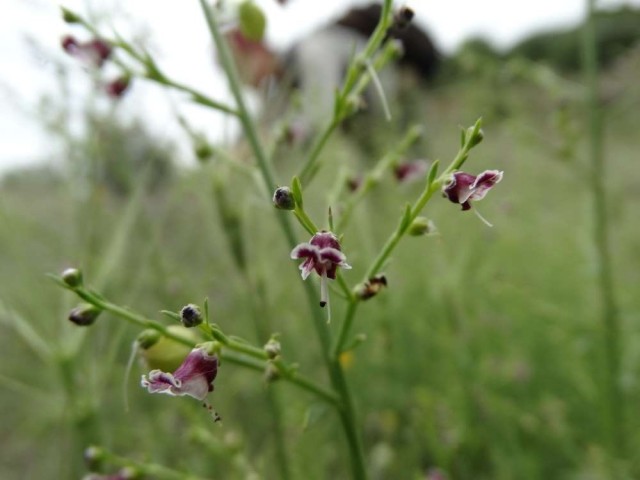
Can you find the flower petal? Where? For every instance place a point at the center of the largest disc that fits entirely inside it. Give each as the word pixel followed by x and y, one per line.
pixel 459 189
pixel 484 182
pixel 304 250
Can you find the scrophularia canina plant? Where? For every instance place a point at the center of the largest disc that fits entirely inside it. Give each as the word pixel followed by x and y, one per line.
pixel 324 255
pixel 194 377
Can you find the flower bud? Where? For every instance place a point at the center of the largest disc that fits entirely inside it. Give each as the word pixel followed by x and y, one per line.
pixel 283 199
pixel 116 88
pixel 203 150
pixel 402 18
pixel 252 20
pixel 148 338
pixel 371 287
pixel 72 277
pixel 421 226
pixel 84 314
pixel 70 17
pixel 272 348
pixel 271 373
pixel 190 316
pixel 474 139
pixel 94 457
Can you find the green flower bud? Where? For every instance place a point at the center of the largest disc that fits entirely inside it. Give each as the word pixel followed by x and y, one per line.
pixel 190 316
pixel 70 17
pixel 474 139
pixel 94 457
pixel 84 314
pixel 148 338
pixel 272 348
pixel 421 226
pixel 72 277
pixel 252 21
pixel 203 150
pixel 283 199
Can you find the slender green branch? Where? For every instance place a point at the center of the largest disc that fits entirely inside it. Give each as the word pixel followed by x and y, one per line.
pixel 604 265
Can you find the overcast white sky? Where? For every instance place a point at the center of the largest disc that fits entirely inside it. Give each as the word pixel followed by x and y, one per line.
pixel 179 33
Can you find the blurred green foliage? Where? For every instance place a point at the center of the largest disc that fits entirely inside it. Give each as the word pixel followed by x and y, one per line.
pixel 617 31
pixel 483 355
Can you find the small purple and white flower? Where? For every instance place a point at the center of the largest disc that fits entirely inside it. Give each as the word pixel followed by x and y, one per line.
pixel 324 255
pixel 465 188
pixel 194 377
pixel 92 53
pixel 411 171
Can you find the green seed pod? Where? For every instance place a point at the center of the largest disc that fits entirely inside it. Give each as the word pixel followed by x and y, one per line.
pixel 252 21
pixel 167 354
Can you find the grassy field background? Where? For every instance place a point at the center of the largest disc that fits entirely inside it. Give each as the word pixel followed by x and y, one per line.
pixel 483 358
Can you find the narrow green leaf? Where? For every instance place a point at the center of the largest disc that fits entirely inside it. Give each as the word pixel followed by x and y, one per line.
pixel 171 315
pixel 296 190
pixel 433 172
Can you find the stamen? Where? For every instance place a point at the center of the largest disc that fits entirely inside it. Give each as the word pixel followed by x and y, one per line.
pixel 484 220
pixel 378 86
pixel 324 297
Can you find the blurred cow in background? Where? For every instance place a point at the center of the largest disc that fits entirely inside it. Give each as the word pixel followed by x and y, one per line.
pixel 315 67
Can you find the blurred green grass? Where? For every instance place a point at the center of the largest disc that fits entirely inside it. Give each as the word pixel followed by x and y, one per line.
pixel 483 357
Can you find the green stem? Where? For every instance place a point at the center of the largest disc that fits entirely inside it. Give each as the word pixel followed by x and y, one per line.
pixel 610 317
pixel 346 407
pixel 308 170
pixel 345 327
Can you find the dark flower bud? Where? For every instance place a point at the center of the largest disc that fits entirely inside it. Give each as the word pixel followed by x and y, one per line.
pixel 354 183
pixel 402 18
pixel 272 348
pixel 72 277
pixel 283 199
pixel 116 88
pixel 421 226
pixel 371 287
pixel 69 17
pixel 84 315
pixel 190 316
